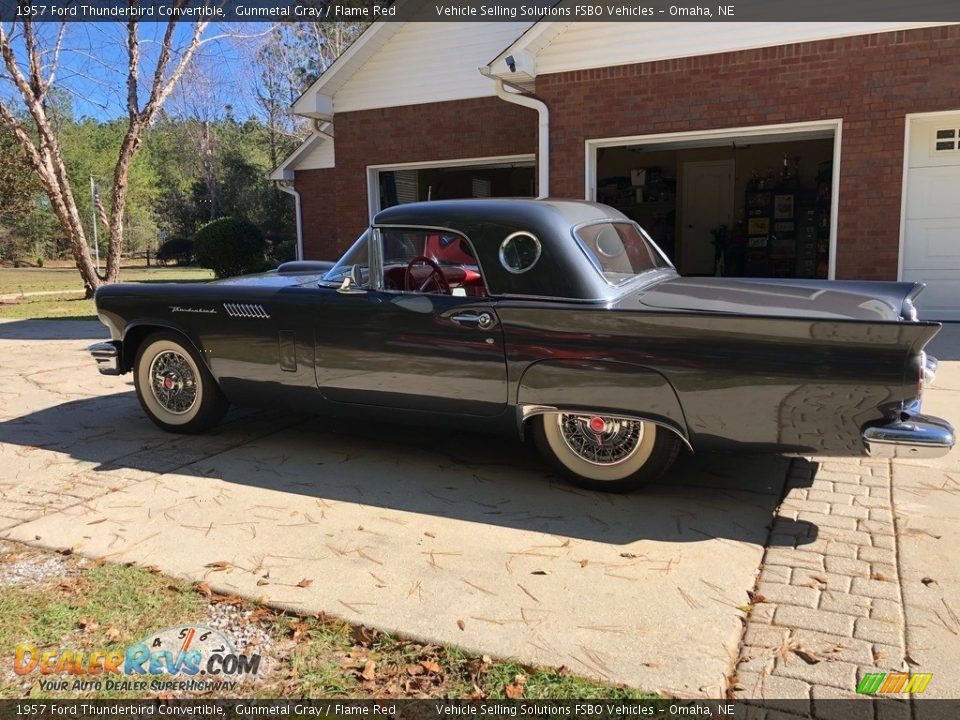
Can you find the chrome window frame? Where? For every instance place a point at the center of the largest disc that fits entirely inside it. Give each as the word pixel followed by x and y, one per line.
pixel 433 228
pixel 574 232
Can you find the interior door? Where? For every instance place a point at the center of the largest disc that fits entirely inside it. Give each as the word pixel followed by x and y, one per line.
pixel 429 351
pixel 706 203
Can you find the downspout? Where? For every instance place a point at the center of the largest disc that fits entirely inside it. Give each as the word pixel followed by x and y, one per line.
pixel 543 128
pixel 288 188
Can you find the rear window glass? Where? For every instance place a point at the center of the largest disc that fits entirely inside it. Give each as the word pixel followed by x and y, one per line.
pixel 620 251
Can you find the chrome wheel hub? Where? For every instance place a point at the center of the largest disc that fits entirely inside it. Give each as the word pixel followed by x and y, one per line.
pixel 173 382
pixel 600 440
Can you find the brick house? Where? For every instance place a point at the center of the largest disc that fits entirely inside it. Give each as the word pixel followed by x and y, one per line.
pixel 772 149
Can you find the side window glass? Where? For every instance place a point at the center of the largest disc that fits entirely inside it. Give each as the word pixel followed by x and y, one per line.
pixel 423 260
pixel 355 262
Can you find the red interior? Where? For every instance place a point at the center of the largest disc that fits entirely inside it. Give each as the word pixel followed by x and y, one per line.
pixel 451 257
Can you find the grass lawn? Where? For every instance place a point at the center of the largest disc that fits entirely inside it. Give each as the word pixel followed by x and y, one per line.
pixel 64 602
pixel 65 291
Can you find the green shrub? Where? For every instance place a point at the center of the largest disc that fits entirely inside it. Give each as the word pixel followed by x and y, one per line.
pixel 229 246
pixel 284 251
pixel 179 249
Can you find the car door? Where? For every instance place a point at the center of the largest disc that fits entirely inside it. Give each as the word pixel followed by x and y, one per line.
pixel 431 349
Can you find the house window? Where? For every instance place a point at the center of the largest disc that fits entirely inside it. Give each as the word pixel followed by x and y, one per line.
pixel 947 139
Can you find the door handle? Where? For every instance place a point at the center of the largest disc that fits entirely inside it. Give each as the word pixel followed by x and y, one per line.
pixel 483 320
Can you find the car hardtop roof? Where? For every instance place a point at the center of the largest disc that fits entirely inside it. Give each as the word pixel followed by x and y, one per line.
pixel 460 214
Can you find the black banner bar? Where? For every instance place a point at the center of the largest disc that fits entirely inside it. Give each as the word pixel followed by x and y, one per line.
pixel 80 709
pixel 527 11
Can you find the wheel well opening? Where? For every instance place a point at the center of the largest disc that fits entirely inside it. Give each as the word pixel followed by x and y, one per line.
pixel 134 339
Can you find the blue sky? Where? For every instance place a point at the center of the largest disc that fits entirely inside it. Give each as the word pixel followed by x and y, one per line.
pixel 93 64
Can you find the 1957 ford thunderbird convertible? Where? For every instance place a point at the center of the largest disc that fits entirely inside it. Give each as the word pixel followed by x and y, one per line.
pixel 557 320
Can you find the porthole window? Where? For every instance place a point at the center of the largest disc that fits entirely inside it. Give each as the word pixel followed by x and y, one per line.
pixel 519 252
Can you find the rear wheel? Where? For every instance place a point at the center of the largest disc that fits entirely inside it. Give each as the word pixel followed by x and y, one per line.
pixel 610 454
pixel 175 389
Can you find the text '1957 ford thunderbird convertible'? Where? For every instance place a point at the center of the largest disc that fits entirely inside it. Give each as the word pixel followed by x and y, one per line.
pixel 556 320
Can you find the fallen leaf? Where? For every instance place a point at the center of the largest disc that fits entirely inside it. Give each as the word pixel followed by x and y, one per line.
pixel 66 551
pixel 369 670
pixel 88 624
pixel 878 576
pixel 298 630
pixel 112 634
pixel 461 624
pixel 756 597
pixel 910 660
pixel 540 572
pixel 261 613
pixel 261 582
pixel 513 691
pixel 928 581
pixel 584 563
pixel 218 565
pixel 203 589
pixel 363 635
pixel 629 556
pixel 430 534
pixel 431 667
pixel 305 583
pixel 808 657
pixel 415 670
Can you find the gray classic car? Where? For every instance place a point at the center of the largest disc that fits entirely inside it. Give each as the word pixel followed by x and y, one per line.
pixel 551 319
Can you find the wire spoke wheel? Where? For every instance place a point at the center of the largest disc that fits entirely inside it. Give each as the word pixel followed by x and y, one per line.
pixel 605 452
pixel 173 382
pixel 600 440
pixel 174 387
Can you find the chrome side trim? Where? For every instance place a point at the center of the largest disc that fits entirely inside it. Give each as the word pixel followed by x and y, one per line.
pixel 525 412
pixel 107 355
pixel 921 436
pixel 246 310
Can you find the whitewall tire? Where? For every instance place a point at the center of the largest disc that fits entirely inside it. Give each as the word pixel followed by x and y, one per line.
pixel 175 389
pixel 611 454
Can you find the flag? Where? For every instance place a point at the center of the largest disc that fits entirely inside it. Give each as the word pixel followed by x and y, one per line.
pixel 98 204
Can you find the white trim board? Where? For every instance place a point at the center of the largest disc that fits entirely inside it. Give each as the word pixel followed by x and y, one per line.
pixel 718 136
pixel 373 194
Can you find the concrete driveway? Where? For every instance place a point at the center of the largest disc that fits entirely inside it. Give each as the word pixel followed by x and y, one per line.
pixel 452 538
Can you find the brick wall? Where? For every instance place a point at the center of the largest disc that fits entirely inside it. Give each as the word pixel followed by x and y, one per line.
pixel 318 203
pixel 870 82
pixel 480 127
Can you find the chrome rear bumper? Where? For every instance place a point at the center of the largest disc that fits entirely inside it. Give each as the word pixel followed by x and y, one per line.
pixel 107 355
pixel 921 436
pixel 930 365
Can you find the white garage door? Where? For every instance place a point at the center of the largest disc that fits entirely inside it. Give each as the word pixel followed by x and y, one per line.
pixel 931 239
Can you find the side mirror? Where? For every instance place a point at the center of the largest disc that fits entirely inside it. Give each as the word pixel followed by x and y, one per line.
pixel 351 284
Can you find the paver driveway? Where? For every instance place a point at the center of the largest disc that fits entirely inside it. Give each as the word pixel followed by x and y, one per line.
pixel 454 538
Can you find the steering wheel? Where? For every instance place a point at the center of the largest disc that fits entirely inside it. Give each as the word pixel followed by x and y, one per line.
pixel 436 276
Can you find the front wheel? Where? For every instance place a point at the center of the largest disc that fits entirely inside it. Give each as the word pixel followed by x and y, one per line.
pixel 174 388
pixel 610 454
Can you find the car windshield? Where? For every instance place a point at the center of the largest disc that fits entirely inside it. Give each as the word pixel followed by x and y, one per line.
pixel 620 250
pixel 358 255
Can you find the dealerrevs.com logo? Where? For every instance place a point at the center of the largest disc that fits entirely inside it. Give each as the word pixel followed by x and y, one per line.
pixel 198 657
pixel 893 683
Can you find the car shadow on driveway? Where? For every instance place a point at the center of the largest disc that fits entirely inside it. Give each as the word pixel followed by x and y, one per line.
pixel 455 475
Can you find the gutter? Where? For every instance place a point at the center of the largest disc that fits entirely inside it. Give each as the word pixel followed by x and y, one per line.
pixel 288 188
pixel 543 128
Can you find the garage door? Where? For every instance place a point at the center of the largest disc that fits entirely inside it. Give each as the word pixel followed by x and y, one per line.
pixel 931 240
